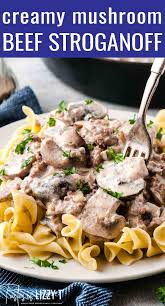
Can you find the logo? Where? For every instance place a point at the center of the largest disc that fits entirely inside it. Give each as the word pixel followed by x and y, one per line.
pixel 15 295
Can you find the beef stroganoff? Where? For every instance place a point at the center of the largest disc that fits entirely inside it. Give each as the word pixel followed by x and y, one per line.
pixel 66 188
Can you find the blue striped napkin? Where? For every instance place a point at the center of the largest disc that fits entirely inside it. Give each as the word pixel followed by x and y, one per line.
pixel 20 290
pixel 11 109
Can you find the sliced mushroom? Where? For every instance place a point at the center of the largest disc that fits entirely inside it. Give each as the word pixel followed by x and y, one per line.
pixel 20 164
pixel 144 214
pixel 50 186
pixel 17 166
pixel 53 155
pixel 126 177
pixel 84 111
pixel 67 139
pixel 99 217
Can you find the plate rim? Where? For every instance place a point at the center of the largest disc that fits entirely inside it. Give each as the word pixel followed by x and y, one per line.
pixel 27 271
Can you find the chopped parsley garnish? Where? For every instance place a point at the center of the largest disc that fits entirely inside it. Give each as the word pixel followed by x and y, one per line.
pixel 150 124
pixel 132 120
pixel 90 146
pixel 88 101
pixel 61 107
pixel 114 194
pixel 1 181
pixel 84 187
pixel 26 131
pixel 99 167
pixel 44 263
pixel 21 146
pixel 63 261
pixel 112 155
pixel 29 149
pixel 159 134
pixel 69 171
pixel 67 154
pixel 55 173
pixel 2 172
pixel 27 162
pixel 160 292
pixel 51 122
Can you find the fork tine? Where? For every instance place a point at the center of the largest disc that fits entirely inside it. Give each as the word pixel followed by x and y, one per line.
pixel 131 153
pixel 125 150
pixel 139 153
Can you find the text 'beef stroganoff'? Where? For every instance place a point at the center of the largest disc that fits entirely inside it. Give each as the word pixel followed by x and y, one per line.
pixel 66 188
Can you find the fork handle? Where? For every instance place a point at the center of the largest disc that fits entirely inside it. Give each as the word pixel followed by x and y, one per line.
pixel 157 70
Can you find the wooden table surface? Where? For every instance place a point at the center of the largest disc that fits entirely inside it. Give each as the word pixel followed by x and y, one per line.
pixel 50 90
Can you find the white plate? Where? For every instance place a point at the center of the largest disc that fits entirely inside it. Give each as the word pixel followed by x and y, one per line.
pixel 73 271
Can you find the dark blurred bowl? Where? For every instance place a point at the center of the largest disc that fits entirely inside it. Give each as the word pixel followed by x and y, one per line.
pixel 120 82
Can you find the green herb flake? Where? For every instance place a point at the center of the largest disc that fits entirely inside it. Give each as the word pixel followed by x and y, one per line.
pixel 159 134
pixel 132 120
pixel 20 148
pixel 150 124
pixel 67 154
pixel 2 172
pixel 160 292
pixel 26 131
pixel 90 146
pixel 112 155
pixel 63 261
pixel 61 107
pixel 29 149
pixel 88 101
pixel 27 162
pixel 51 122
pixel 44 263
pixel 114 194
pixel 55 173
pixel 69 171
pixel 84 187
pixel 99 167
pixel 1 181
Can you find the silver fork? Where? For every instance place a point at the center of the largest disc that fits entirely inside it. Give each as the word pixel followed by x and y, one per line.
pixel 138 141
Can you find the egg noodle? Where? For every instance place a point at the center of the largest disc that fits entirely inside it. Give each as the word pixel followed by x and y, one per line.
pixel 22 233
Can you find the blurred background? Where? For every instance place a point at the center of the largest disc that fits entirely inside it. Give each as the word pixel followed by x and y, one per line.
pixel 118 82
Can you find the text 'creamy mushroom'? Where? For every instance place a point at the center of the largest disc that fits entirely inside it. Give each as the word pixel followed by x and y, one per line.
pixel 126 177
